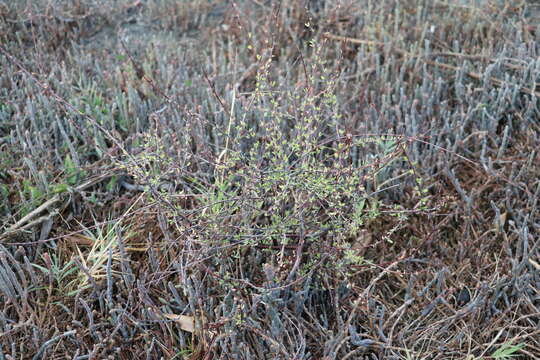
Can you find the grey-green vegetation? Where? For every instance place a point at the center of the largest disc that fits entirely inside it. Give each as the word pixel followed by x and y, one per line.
pixel 302 179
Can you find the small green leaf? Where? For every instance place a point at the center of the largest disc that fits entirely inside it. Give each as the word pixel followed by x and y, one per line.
pixel 60 188
pixel 70 170
pixel 507 351
pixel 112 183
pixel 4 190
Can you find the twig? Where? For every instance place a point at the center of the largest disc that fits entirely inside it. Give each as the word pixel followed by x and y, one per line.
pixel 27 222
pixel 19 224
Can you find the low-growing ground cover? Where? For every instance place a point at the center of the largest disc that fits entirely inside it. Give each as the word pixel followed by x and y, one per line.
pixel 269 180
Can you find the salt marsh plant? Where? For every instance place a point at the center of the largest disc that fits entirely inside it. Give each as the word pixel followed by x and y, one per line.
pixel 285 172
pixel 285 198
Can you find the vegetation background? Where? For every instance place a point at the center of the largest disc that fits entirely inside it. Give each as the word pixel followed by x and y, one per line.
pixel 301 179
